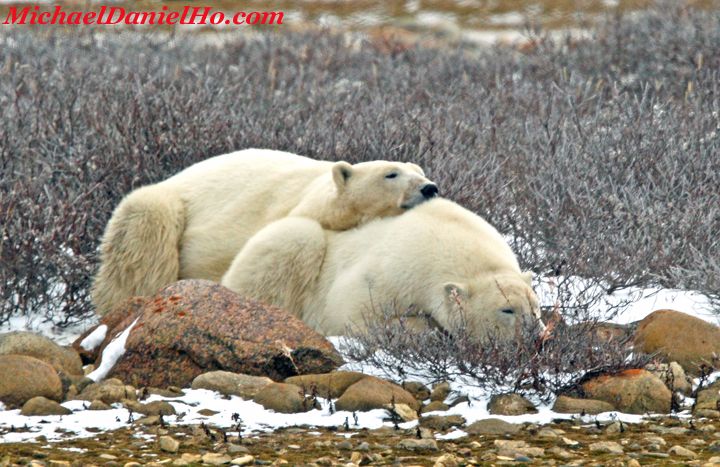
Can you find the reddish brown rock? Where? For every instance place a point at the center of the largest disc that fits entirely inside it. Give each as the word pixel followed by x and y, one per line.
pixel 112 320
pixel 630 391
pixel 679 337
pixel 30 378
pixel 195 326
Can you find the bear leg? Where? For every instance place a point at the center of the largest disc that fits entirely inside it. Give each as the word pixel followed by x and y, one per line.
pixel 139 252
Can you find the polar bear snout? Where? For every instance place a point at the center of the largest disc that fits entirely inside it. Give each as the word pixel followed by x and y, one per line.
pixel 429 190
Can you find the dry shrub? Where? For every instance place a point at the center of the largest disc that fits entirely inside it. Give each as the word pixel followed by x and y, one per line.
pixel 597 157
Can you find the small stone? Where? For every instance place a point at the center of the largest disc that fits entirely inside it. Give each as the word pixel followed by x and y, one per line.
pixel 148 421
pixel 440 391
pixel 207 412
pixel 447 460
pixel 168 444
pixel 510 404
pixel 654 440
pixel 345 445
pixel 697 442
pixel 682 452
pixel 40 405
pixel 97 404
pixel 412 444
pixel 713 461
pixel 237 449
pixel 569 442
pixel 614 427
pixel 406 413
pixel 714 446
pixel 560 452
pixel 434 406
pixel 108 457
pixel 492 426
pixel 547 433
pixel 58 463
pixel 610 447
pixel 442 422
pixel 187 459
pixel 633 463
pixel 244 460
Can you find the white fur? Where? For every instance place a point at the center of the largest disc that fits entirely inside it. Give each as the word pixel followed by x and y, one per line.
pixel 437 258
pixel 193 224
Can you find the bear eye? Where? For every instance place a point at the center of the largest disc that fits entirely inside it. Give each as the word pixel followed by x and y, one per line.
pixel 508 311
pixel 391 175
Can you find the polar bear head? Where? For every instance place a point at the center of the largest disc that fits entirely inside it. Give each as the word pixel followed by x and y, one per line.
pixel 497 305
pixel 377 189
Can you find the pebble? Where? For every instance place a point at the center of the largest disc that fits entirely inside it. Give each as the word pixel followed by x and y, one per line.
pixel 168 444
pixel 607 446
pixel 244 460
pixel 213 458
pixel 413 444
pixel 682 452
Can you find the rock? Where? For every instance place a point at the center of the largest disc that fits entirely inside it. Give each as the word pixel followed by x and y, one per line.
pixel 412 444
pixel 150 420
pixel 231 384
pixel 109 391
pixel 98 405
pixel 440 391
pixel 417 389
pixel 680 451
pixel 510 404
pixel 404 411
pixel 212 458
pixel 42 406
pixel 42 348
pixel 435 406
pixel 492 426
pixel 283 398
pixel 565 404
pixel 561 453
pixel 243 460
pixel 514 449
pixel 610 447
pixel 374 393
pixel 679 337
pixel 458 400
pixel 194 326
pixel 707 402
pixel 187 459
pixel 441 422
pixel 30 378
pixel 673 375
pixel 168 444
pixel 630 391
pixel 151 408
pixel 448 460
pixel 328 384
pixel 104 329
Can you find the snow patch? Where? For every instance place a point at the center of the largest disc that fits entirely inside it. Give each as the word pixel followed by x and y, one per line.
pixel 112 354
pixel 95 338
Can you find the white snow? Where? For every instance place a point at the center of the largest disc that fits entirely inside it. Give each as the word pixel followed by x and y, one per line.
pixel 95 338
pixel 112 354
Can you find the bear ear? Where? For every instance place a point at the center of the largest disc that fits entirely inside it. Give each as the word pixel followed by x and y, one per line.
pixel 454 289
pixel 527 277
pixel 341 172
pixel 416 168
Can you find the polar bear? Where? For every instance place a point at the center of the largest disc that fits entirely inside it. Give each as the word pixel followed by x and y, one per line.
pixel 435 259
pixel 193 224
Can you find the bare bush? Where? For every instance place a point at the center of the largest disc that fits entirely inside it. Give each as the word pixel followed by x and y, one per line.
pixel 540 366
pixel 598 158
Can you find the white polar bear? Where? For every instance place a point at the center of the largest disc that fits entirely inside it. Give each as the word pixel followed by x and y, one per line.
pixel 435 259
pixel 193 224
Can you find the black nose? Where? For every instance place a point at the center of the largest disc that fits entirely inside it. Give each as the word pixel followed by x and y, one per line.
pixel 430 190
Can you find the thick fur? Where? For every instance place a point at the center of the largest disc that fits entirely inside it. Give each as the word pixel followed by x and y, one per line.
pixel 438 259
pixel 193 224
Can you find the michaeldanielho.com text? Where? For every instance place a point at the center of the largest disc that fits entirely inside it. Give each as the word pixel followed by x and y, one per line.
pixel 109 15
